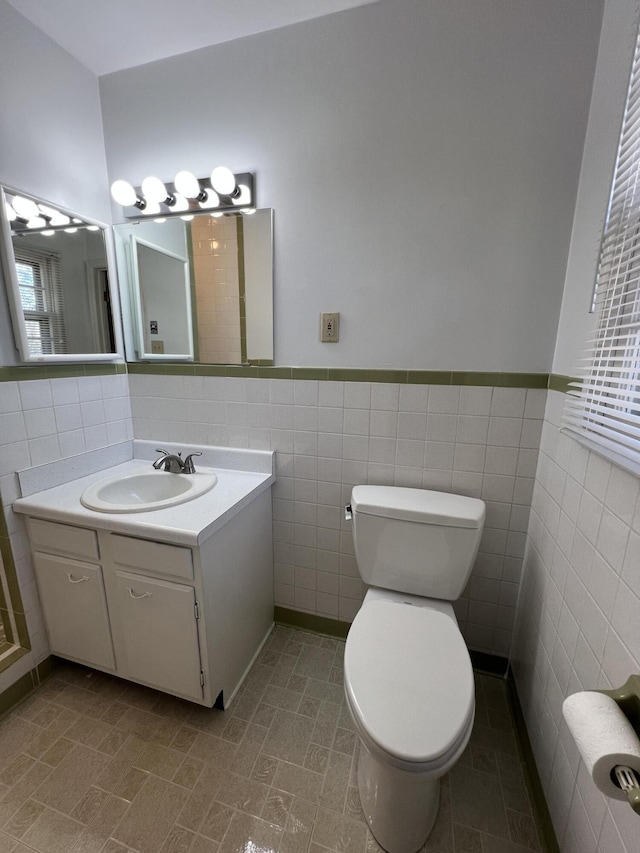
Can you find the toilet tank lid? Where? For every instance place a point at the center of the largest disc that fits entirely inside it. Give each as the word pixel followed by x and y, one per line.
pixel 420 505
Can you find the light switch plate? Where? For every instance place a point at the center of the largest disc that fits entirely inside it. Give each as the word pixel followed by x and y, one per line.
pixel 330 327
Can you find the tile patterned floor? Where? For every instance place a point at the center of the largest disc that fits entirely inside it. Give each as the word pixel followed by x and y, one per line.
pixel 91 763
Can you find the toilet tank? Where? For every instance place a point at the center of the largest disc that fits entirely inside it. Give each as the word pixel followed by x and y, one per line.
pixel 415 540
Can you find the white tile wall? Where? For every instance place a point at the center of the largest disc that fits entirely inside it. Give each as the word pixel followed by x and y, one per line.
pixel 578 623
pixel 330 436
pixel 42 421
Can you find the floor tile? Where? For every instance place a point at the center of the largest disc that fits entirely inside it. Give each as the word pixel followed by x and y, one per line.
pixel 92 764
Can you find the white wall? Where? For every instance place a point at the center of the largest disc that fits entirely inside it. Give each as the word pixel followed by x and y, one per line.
pixel 50 131
pixel 465 120
pixel 579 607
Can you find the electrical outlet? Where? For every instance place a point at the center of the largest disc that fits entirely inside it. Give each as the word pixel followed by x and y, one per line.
pixel 330 327
pixel 157 347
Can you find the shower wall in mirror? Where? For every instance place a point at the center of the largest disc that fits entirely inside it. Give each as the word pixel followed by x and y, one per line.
pixel 199 290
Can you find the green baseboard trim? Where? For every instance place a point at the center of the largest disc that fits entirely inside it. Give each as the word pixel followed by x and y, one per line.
pixel 538 800
pixel 491 664
pixel 11 657
pixel 26 684
pixel 311 622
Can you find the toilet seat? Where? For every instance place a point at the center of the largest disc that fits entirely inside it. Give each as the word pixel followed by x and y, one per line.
pixel 409 684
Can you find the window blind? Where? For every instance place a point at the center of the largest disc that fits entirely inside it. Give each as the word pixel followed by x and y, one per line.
pixel 603 405
pixel 41 293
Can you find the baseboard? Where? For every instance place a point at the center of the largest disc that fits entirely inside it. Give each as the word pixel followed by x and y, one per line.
pixel 536 791
pixel 26 684
pixel 311 622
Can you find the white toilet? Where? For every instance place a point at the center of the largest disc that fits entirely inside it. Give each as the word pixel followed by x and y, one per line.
pixel 407 673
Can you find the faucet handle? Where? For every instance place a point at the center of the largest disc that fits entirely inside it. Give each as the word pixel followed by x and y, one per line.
pixel 188 463
pixel 157 464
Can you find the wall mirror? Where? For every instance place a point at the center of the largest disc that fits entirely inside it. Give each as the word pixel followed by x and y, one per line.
pixel 198 288
pixel 63 303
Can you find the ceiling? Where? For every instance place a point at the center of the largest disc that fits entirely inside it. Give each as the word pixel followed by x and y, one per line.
pixel 109 35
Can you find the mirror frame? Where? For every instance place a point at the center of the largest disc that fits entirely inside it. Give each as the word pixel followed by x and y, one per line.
pixel 13 289
pixel 138 318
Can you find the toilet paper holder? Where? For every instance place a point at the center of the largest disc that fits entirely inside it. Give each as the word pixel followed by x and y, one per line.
pixel 627 698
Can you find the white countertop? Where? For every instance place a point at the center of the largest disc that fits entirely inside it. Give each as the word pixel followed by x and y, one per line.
pixel 189 523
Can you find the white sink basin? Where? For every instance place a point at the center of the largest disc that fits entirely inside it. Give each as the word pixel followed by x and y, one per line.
pixel 146 491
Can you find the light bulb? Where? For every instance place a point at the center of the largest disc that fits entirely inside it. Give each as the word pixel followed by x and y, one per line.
pixel 48 211
pixel 11 214
pixel 188 217
pixel 25 208
pixel 187 184
pixel 59 219
pixel 223 180
pixel 248 211
pixel 70 230
pixel 244 198
pixel 153 189
pixel 48 232
pixel 160 220
pixel 123 193
pixel 211 200
pixel 179 203
pixel 37 222
pixel 93 228
pixel 152 208
pixel 217 215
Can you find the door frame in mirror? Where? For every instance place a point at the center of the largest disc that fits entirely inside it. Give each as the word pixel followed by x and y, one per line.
pixel 8 261
pixel 134 271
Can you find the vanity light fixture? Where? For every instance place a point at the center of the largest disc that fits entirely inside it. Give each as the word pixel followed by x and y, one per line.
pixel 27 216
pixel 222 192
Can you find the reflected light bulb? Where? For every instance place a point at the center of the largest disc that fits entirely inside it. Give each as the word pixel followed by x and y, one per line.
pixel 160 220
pixel 25 208
pixel 48 232
pixel 37 222
pixel 70 230
pixel 153 189
pixel 11 214
pixel 188 217
pixel 187 184
pixel 92 228
pixel 223 180
pixel 151 208
pixel 59 219
pixel 244 198
pixel 123 193
pixel 211 200
pixel 248 211
pixel 179 203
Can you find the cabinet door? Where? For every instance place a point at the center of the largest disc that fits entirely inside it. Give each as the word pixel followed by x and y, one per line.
pixel 157 638
pixel 75 609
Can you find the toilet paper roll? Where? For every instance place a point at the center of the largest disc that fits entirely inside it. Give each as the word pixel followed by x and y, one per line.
pixel 604 736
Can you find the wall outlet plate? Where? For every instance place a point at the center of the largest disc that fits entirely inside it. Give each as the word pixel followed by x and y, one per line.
pixel 330 327
pixel 157 347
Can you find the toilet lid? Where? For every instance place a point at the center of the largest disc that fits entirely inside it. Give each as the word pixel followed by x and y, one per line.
pixel 409 678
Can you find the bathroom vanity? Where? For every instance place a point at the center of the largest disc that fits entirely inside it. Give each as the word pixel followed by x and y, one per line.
pixel 179 598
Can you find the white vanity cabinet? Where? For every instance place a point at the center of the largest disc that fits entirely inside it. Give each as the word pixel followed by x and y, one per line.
pixel 187 620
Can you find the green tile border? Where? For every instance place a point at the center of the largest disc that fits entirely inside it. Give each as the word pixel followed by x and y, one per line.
pixel 558 382
pixel 8 662
pixel 311 622
pixel 536 792
pixel 265 369
pixel 348 374
pixel 21 373
pixel 26 684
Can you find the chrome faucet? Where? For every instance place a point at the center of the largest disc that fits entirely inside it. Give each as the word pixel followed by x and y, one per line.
pixel 175 464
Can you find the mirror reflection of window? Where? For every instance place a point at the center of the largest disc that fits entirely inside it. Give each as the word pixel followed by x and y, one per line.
pixel 40 283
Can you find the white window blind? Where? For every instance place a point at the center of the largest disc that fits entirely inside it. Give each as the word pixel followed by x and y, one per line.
pixel 40 282
pixel 604 405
